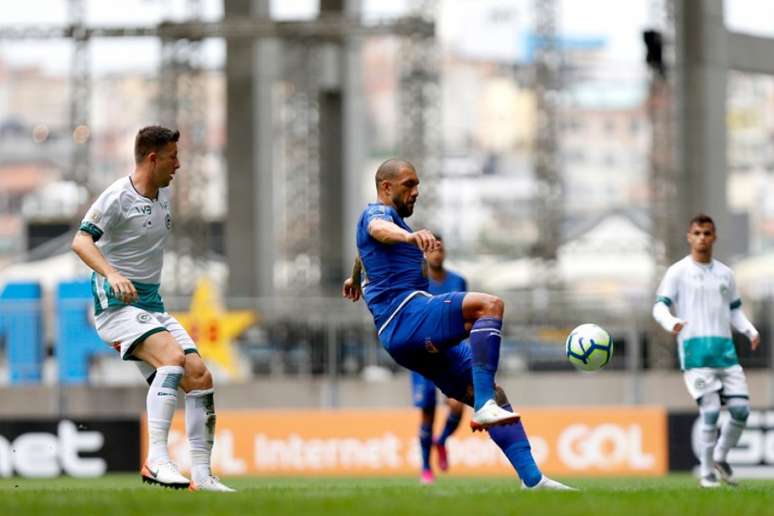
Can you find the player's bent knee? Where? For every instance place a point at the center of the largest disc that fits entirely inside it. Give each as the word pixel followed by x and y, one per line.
pixel 493 307
pixel 196 378
pixel 710 417
pixel 739 412
pixel 174 357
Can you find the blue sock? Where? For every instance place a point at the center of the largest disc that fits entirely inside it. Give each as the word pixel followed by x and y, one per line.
pixel 485 345
pixel 452 422
pixel 512 440
pixel 426 442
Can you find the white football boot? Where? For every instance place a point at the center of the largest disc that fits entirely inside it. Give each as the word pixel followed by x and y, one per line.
pixel 164 474
pixel 491 414
pixel 548 484
pixel 211 483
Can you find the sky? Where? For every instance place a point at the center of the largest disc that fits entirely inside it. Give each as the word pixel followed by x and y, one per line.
pixel 482 28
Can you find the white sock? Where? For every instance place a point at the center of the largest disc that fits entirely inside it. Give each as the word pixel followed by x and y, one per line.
pixel 709 435
pixel 161 403
pixel 729 436
pixel 200 427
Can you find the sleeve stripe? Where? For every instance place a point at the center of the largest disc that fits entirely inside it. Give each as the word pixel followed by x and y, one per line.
pixel 664 299
pixel 735 304
pixel 91 229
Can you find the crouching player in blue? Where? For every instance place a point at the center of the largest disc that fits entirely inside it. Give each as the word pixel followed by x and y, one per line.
pixel 441 281
pixel 423 332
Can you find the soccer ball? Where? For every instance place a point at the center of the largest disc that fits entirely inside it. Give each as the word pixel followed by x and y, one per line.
pixel 589 347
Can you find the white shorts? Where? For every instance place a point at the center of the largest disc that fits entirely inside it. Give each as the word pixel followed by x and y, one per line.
pixel 126 327
pixel 729 382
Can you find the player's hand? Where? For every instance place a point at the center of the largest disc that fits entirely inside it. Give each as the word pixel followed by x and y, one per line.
pixel 678 327
pixel 122 288
pixel 424 240
pixel 350 290
pixel 755 342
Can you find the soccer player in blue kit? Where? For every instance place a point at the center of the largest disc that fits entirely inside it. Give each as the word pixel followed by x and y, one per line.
pixel 441 281
pixel 423 332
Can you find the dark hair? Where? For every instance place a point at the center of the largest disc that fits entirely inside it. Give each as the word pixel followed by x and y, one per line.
pixel 152 139
pixel 438 236
pixel 701 219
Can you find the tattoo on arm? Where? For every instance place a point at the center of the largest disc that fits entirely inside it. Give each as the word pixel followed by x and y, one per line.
pixel 357 268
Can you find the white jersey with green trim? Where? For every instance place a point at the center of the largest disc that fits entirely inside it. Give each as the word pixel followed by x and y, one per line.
pixel 130 231
pixel 703 296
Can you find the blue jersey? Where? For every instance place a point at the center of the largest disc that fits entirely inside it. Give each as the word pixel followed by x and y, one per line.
pixel 391 272
pixel 453 282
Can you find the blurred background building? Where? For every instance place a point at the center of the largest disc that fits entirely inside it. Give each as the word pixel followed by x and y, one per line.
pixel 550 154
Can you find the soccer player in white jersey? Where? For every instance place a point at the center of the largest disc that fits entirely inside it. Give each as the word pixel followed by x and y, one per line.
pixel 706 304
pixel 122 240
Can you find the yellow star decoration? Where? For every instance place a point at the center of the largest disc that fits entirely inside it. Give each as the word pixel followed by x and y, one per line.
pixel 212 328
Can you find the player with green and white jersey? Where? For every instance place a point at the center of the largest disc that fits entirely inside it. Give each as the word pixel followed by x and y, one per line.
pixel 121 239
pixel 703 294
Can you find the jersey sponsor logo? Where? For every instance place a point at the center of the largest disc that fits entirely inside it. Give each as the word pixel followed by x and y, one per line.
pixel 143 210
pixel 143 318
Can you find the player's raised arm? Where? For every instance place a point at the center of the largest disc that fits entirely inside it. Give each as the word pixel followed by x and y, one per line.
pixel 83 245
pixel 388 232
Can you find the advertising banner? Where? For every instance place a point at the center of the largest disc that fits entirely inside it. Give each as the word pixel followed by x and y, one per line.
pixel 752 457
pixel 571 441
pixel 45 448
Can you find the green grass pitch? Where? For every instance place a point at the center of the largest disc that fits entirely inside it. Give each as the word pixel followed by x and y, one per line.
pixel 124 494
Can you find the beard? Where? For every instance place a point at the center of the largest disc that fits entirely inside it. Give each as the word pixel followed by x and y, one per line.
pixel 404 209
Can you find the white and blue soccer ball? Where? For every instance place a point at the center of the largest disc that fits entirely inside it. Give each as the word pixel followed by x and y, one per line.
pixel 589 347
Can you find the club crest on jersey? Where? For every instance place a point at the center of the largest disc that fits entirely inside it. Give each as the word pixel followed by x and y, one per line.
pixel 429 346
pixel 723 289
pixel 95 215
pixel 699 383
pixel 168 221
pixel 143 318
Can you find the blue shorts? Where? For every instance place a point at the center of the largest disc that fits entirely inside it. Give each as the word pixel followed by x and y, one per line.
pixel 422 391
pixel 426 336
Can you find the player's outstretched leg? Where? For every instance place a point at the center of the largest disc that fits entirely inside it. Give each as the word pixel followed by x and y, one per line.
pixel 513 441
pixel 161 403
pixel 739 409
pixel 486 312
pixel 452 422
pixel 200 425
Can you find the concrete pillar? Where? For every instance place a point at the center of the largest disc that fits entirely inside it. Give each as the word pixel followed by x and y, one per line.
pixel 252 67
pixel 702 64
pixel 341 148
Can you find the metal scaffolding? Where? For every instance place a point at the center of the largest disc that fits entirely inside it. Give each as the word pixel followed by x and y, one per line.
pixel 419 113
pixel 299 168
pixel 182 104
pixel 80 93
pixel 550 191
